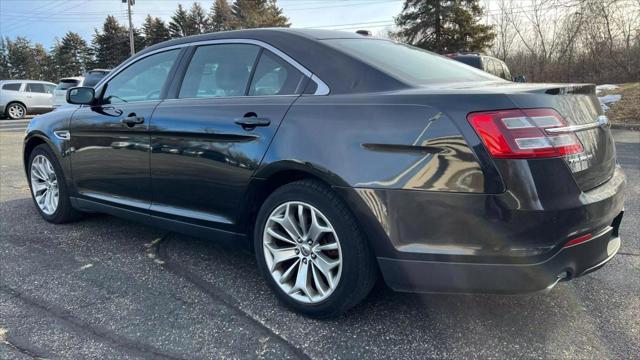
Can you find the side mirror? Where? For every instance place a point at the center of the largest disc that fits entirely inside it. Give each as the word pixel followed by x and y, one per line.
pixel 81 95
pixel 520 78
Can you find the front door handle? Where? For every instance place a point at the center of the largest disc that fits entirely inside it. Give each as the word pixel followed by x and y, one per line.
pixel 132 120
pixel 251 122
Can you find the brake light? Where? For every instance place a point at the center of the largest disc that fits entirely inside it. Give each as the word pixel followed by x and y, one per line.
pixel 520 133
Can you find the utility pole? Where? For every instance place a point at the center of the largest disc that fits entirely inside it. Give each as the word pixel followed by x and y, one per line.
pixel 131 43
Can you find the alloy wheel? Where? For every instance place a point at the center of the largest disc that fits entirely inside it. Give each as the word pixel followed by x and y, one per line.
pixel 44 184
pixel 302 252
pixel 16 111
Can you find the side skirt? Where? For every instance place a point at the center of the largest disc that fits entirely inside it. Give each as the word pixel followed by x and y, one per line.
pixel 182 227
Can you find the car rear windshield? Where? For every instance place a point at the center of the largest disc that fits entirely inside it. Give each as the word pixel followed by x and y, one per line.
pixel 67 84
pixel 469 60
pixel 92 78
pixel 408 63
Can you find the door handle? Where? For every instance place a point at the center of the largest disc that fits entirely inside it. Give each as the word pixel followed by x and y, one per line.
pixel 251 122
pixel 132 120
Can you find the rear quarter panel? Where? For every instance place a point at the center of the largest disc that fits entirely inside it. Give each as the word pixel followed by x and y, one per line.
pixel 376 141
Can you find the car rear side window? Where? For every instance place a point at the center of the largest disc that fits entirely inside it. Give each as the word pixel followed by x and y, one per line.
pixel 67 84
pixel 36 88
pixel 408 63
pixel 141 81
pixel 219 71
pixel 11 87
pixel 93 77
pixel 274 76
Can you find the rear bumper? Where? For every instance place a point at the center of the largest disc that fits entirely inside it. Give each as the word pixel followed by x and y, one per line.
pixel 567 263
pixel 428 241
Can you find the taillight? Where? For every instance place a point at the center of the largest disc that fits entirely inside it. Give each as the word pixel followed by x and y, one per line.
pixel 520 133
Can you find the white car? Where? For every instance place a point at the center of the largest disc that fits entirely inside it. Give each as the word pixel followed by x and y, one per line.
pixel 21 97
pixel 60 92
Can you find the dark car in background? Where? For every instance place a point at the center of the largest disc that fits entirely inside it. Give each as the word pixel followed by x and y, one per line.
pixel 340 157
pixel 93 77
pixel 486 63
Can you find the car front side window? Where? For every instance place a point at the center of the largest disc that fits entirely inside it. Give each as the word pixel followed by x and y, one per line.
pixel 219 71
pixel 141 81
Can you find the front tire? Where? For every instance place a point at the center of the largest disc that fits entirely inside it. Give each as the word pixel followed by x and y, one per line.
pixel 311 252
pixel 48 187
pixel 16 111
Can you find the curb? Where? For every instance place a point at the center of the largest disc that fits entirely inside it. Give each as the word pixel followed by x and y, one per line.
pixel 633 127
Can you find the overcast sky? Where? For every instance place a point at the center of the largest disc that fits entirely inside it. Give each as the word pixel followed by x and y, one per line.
pixel 44 20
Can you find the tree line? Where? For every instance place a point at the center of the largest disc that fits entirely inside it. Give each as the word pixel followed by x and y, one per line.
pixel 570 40
pixel 72 55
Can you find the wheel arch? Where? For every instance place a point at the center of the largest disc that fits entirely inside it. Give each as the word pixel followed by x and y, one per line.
pixel 267 179
pixel 26 108
pixel 34 140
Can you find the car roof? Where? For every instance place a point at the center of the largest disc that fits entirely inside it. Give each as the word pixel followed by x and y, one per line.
pixel 344 73
pixel 262 34
pixel 21 81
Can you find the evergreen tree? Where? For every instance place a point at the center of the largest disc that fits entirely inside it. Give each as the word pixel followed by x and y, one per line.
pixel 154 31
pixel 198 21
pixel 4 60
pixel 258 13
pixel 71 56
pixel 179 23
pixel 44 65
pixel 22 64
pixel 221 17
pixel 111 45
pixel 444 25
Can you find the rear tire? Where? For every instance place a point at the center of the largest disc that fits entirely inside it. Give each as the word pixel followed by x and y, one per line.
pixel 45 175
pixel 15 111
pixel 340 241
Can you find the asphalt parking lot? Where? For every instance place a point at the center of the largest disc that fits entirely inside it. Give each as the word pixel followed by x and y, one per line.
pixel 108 288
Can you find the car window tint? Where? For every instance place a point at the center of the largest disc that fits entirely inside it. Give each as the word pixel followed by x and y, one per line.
pixel 67 84
pixel 469 60
pixel 93 77
pixel 49 88
pixel 141 81
pixel 35 88
pixel 274 76
pixel 12 87
pixel 219 70
pixel 407 63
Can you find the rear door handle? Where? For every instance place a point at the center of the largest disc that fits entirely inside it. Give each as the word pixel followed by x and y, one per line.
pixel 132 120
pixel 251 122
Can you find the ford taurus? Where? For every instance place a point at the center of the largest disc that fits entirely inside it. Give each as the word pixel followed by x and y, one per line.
pixel 341 158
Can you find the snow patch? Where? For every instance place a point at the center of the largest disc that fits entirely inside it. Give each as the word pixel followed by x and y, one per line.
pixel 600 88
pixel 607 100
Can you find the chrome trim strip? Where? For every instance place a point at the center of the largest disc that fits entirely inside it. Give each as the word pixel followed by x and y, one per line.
pixel 117 199
pixel 192 214
pixel 602 120
pixel 322 88
pixel 62 134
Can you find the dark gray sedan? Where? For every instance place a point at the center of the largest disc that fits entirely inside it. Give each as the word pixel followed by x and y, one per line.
pixel 341 157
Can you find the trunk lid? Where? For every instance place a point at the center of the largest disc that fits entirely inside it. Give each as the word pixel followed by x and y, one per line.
pixel 580 107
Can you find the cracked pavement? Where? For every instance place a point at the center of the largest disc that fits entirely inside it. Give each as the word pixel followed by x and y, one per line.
pixel 105 288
